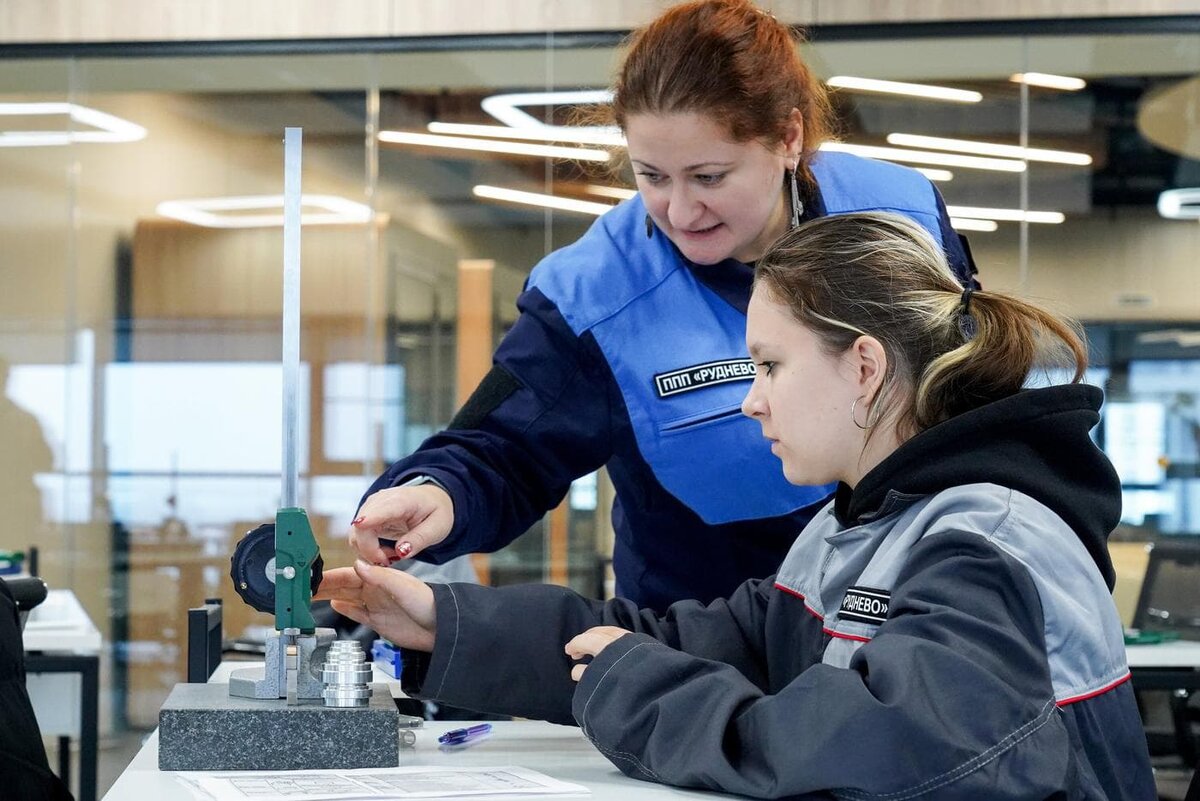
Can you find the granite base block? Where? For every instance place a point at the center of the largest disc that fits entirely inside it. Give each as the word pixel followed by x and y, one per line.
pixel 202 727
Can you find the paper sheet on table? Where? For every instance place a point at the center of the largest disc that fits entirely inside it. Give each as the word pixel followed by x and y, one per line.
pixel 375 783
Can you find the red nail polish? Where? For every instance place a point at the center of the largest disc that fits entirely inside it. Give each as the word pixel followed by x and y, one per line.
pixel 357 520
pixel 403 549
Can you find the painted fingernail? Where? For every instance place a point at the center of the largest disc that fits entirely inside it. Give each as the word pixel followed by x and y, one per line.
pixel 403 549
pixel 357 520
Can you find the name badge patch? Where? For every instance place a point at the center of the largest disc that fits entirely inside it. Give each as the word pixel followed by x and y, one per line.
pixel 699 376
pixel 865 605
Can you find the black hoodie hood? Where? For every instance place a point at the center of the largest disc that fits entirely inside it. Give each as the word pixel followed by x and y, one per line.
pixel 1035 442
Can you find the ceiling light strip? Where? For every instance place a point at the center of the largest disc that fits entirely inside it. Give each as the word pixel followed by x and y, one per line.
pixel 989 149
pixel 205 211
pixel 491 146
pixel 506 107
pixel 108 128
pixel 960 224
pixel 926 157
pixel 540 200
pixel 547 133
pixel 1180 204
pixel 618 192
pixel 1007 215
pixel 908 89
pixel 934 174
pixel 1048 81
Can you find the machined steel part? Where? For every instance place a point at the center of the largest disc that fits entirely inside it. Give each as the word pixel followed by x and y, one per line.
pixel 346 675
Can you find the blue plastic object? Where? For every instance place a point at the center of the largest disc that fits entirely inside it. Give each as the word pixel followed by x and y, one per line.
pixel 387 658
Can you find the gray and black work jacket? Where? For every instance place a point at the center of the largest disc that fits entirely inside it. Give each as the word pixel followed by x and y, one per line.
pixel 944 630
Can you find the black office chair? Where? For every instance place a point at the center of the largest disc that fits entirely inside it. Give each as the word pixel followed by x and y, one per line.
pixel 1169 604
pixel 24 770
pixel 205 640
pixel 27 592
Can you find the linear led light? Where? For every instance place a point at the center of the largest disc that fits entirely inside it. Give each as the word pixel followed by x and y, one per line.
pixel 934 174
pixel 927 157
pixel 899 88
pixel 1180 204
pixel 538 199
pixel 206 211
pixel 1048 81
pixel 1008 215
pixel 961 224
pixel 507 108
pixel 618 192
pixel 580 135
pixel 492 146
pixel 1179 336
pixel 989 149
pixel 108 128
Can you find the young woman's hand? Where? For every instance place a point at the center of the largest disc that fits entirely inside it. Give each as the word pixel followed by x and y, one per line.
pixel 591 643
pixel 415 517
pixel 389 601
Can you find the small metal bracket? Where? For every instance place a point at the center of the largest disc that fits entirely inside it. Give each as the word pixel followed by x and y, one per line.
pixel 271 680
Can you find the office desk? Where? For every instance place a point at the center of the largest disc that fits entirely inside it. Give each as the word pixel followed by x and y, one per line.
pixel 60 639
pixel 1173 667
pixel 1165 666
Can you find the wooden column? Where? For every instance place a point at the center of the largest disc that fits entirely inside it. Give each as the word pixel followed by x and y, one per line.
pixel 473 345
pixel 556 543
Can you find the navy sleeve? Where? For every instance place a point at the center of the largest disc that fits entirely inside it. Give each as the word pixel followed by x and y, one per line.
pixel 501 649
pixel 952 698
pixel 542 419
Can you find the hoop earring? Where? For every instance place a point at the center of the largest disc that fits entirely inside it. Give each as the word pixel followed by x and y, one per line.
pixel 797 204
pixel 854 419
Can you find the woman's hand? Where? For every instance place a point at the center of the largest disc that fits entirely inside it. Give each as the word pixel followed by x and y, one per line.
pixel 415 517
pixel 591 643
pixel 389 601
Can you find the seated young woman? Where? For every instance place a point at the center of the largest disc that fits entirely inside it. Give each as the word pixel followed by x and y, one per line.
pixel 942 629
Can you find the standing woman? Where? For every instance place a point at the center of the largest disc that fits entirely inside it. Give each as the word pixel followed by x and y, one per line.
pixel 630 348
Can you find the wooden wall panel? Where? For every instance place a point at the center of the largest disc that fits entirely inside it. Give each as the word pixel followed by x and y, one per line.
pixel 474 346
pixel 188 20
pixel 186 271
pixel 835 12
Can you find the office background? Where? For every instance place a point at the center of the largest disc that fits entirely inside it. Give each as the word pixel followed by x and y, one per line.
pixel 139 312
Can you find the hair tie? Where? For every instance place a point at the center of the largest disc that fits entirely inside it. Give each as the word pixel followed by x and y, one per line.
pixel 966 300
pixel 966 323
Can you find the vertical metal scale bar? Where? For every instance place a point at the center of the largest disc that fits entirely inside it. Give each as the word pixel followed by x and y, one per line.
pixel 292 140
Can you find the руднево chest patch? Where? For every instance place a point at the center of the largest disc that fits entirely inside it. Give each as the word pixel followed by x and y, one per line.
pixel 865 605
pixel 698 376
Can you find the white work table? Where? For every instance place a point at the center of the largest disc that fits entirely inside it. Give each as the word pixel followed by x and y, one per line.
pixel 560 752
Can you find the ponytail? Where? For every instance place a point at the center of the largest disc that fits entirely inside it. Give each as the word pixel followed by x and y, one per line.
pixel 1005 339
pixel 949 351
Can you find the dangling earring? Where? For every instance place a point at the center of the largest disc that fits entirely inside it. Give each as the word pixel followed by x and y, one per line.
pixel 649 227
pixel 797 204
pixel 854 419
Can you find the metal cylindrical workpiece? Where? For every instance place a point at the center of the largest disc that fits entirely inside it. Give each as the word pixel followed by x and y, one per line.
pixel 346 675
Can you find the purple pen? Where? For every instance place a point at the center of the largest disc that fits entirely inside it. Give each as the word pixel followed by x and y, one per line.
pixel 457 736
